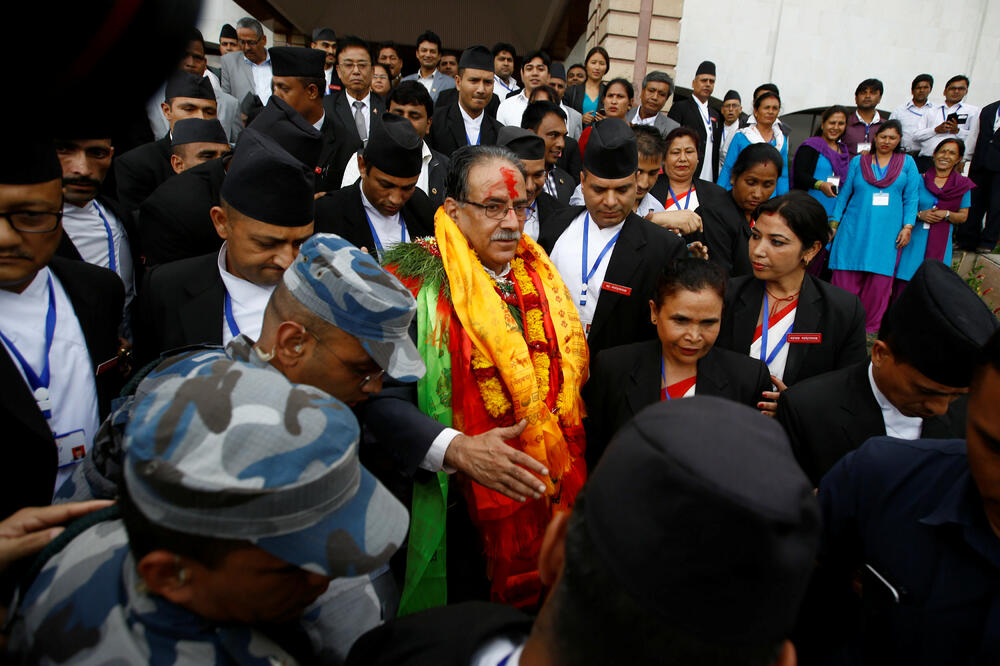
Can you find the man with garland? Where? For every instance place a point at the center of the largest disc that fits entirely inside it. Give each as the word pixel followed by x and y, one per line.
pixel 505 353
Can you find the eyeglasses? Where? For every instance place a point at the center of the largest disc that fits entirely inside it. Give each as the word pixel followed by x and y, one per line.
pixel 496 211
pixel 33 222
pixel 249 42
pixel 360 66
pixel 365 379
pixel 380 77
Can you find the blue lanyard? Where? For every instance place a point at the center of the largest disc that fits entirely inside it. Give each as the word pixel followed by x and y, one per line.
pixel 763 337
pixel 378 243
pixel 112 262
pixel 502 84
pixel 916 113
pixel 39 383
pixel 957 107
pixel 593 269
pixel 663 377
pixel 879 171
pixel 234 330
pixel 677 202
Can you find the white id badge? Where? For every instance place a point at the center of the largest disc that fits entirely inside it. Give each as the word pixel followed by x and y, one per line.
pixel 71 446
pixel 864 147
pixel 880 198
pixel 833 180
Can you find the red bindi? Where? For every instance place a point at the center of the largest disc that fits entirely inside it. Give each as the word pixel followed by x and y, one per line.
pixel 510 178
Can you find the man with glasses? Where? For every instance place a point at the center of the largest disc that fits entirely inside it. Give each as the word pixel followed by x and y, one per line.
pixel 59 323
pixel 506 359
pixel 248 70
pixel 952 120
pixel 265 212
pixel 356 107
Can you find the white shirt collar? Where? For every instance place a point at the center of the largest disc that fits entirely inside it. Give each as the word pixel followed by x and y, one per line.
pixel 896 423
pixel 267 60
pixel 469 120
pixel 425 154
pixel 319 123
pixel 876 119
pixel 498 276
pixel 373 211
pixel 366 100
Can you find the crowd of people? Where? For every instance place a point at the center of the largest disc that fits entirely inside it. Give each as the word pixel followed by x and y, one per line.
pixel 306 360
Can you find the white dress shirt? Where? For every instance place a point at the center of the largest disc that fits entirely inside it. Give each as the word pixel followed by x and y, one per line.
pixel 319 123
pixel 909 116
pixel 261 78
pixel 501 88
pixel 532 225
pixel 775 335
pixel 495 650
pixel 896 423
pixel 567 254
pixel 706 117
pixel 649 204
pixel 967 131
pixel 511 110
pixel 637 119
pixel 328 75
pixel 248 301
pixel 389 231
pixel 86 229
pixel 72 389
pixel 351 172
pixel 472 125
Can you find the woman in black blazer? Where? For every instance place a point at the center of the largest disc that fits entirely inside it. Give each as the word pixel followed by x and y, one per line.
pixel 586 97
pixel 687 313
pixel 812 326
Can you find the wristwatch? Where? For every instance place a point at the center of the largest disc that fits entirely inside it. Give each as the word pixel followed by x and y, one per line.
pixel 947 216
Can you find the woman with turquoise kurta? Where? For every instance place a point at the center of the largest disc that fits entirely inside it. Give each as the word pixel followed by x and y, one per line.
pixel 586 97
pixel 873 219
pixel 943 200
pixel 765 112
pixel 821 161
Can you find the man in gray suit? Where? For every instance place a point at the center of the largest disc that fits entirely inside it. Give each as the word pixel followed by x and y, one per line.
pixel 248 70
pixel 656 90
pixel 429 55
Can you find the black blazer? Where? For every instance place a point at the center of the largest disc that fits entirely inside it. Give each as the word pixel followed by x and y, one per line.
pixel 338 110
pixel 29 470
pixel 140 171
pixel 625 379
pixel 445 636
pixel 829 416
pixel 726 233
pixel 342 213
pixel 987 155
pixel 687 113
pixel 174 222
pixel 823 308
pixel 642 250
pixel 437 173
pixel 448 130
pixel 711 197
pixel 548 208
pixel 571 161
pixel 450 96
pixel 180 304
pixel 337 148
pixel 574 95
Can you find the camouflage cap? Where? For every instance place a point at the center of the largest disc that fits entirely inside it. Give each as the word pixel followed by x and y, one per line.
pixel 223 449
pixel 347 288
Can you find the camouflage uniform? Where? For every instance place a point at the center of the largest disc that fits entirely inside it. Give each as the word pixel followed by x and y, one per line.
pixel 219 448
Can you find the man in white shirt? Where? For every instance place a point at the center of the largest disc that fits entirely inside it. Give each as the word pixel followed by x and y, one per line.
pixel 657 88
pixel 249 70
pixel 412 101
pixel 384 208
pixel 465 121
pixel 534 74
pixel 355 109
pixel 59 323
pixel 325 40
pixel 953 119
pixel 429 54
pixel 911 112
pixel 913 387
pixel 623 253
pixel 732 120
pixel 266 211
pixel 92 229
pixel 703 119
pixel 504 55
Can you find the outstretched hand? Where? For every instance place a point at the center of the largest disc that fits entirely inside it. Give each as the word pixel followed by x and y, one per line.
pixel 27 531
pixel 487 459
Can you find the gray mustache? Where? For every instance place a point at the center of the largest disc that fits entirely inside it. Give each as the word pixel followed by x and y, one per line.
pixel 506 235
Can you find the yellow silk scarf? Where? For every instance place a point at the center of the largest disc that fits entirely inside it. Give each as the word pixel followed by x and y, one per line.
pixel 492 329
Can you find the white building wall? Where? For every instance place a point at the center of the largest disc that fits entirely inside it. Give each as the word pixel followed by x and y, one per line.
pixel 817 52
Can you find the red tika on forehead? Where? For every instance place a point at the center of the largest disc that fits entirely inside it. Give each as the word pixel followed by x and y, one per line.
pixel 510 178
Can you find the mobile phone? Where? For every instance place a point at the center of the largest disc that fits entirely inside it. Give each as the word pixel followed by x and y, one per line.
pixel 953 118
pixel 835 189
pixel 600 110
